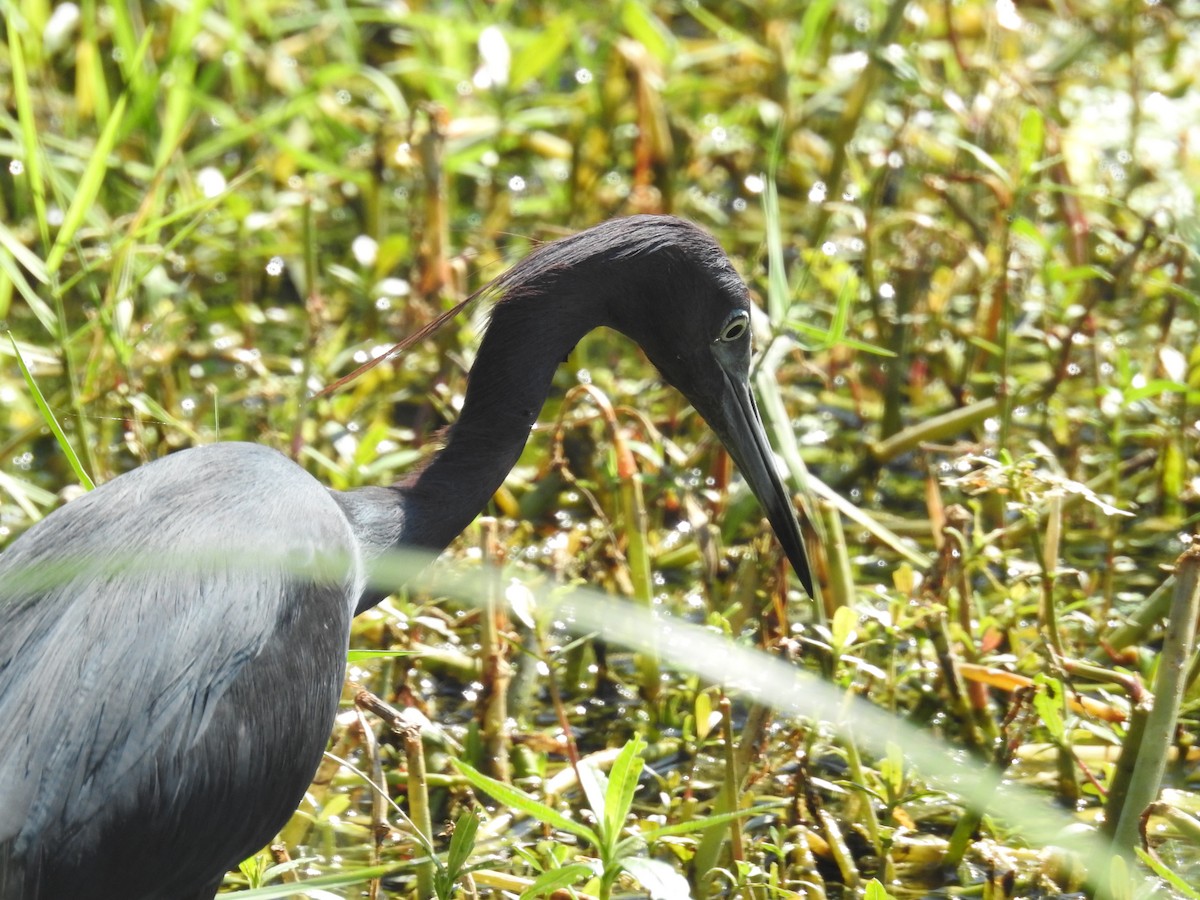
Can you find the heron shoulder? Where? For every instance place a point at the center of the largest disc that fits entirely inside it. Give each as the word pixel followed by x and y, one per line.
pixel 189 569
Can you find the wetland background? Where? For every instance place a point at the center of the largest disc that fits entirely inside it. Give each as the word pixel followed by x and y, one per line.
pixel 971 229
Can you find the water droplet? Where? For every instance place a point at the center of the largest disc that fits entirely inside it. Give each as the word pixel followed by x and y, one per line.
pixel 754 184
pixel 1007 16
pixel 210 181
pixel 817 192
pixel 60 26
pixel 16 167
pixel 364 249
pixel 583 76
pixel 275 266
pixel 516 184
pixel 493 50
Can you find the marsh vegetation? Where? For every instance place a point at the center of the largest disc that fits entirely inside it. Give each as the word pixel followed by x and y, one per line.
pixel 971 229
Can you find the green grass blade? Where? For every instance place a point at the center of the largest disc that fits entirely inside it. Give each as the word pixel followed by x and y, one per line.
pixel 14 265
pixel 622 785
pixel 340 879
pixel 694 825
pixel 777 283
pixel 523 802
pixel 93 176
pixel 30 147
pixel 1160 869
pixel 462 843
pixel 50 420
pixel 557 879
pixel 595 788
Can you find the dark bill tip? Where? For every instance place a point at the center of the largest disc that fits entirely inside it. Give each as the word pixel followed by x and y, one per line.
pixel 740 428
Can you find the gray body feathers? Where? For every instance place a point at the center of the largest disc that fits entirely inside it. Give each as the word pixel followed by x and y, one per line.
pixel 194 646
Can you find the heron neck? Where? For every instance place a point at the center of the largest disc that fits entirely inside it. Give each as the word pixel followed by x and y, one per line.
pixel 506 390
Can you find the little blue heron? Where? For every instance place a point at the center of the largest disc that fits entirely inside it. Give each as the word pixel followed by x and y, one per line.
pixel 161 722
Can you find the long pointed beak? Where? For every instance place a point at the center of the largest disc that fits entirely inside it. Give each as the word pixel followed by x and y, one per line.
pixel 737 422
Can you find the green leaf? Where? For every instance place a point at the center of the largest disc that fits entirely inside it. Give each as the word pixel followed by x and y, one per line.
pixel 1153 389
pixel 1160 869
pixel 595 788
pixel 556 879
pixel 538 55
pixel 1048 703
pixel 876 891
pixel 891 769
pixel 22 254
pixel 1120 885
pixel 340 879
pixel 1031 140
pixel 1022 227
pixel 51 422
pixel 777 284
pixel 15 272
pixel 812 27
pixel 88 189
pixel 1056 271
pixel 462 842
pixel 30 147
pixel 651 835
pixel 844 629
pixel 519 800
pixel 641 25
pixel 462 845
pixel 984 158
pixel 841 314
pixel 706 718
pixel 622 785
pixel 363 655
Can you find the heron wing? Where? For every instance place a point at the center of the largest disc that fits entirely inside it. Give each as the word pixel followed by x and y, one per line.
pixel 136 624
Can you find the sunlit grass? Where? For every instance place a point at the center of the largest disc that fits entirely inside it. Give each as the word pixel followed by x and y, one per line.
pixel 974 239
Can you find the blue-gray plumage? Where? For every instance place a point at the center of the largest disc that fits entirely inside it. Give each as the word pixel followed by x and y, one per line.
pixel 173 644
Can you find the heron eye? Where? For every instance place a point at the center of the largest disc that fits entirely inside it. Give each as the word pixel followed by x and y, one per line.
pixel 735 327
